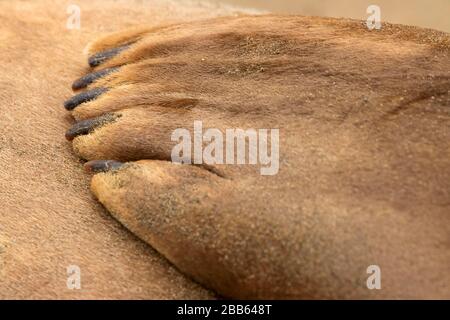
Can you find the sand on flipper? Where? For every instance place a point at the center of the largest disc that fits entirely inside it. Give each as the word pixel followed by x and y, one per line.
pixel 49 219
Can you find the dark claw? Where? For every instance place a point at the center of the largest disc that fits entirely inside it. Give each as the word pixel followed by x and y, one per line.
pixel 87 126
pixel 95 166
pixel 83 82
pixel 83 97
pixel 101 57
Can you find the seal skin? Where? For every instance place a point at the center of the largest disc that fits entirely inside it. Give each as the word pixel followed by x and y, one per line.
pixel 364 153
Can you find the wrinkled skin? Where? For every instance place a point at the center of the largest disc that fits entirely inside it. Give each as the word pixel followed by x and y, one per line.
pixel 364 173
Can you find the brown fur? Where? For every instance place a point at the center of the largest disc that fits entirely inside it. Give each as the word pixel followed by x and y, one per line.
pixel 364 125
pixel 49 218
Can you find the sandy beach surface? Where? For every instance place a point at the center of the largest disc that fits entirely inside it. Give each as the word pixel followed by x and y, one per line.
pixel 427 14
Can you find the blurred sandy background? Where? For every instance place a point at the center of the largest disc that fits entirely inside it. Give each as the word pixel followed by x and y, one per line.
pixel 425 13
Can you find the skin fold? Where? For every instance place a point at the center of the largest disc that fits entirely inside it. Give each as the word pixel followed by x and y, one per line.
pixel 364 152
